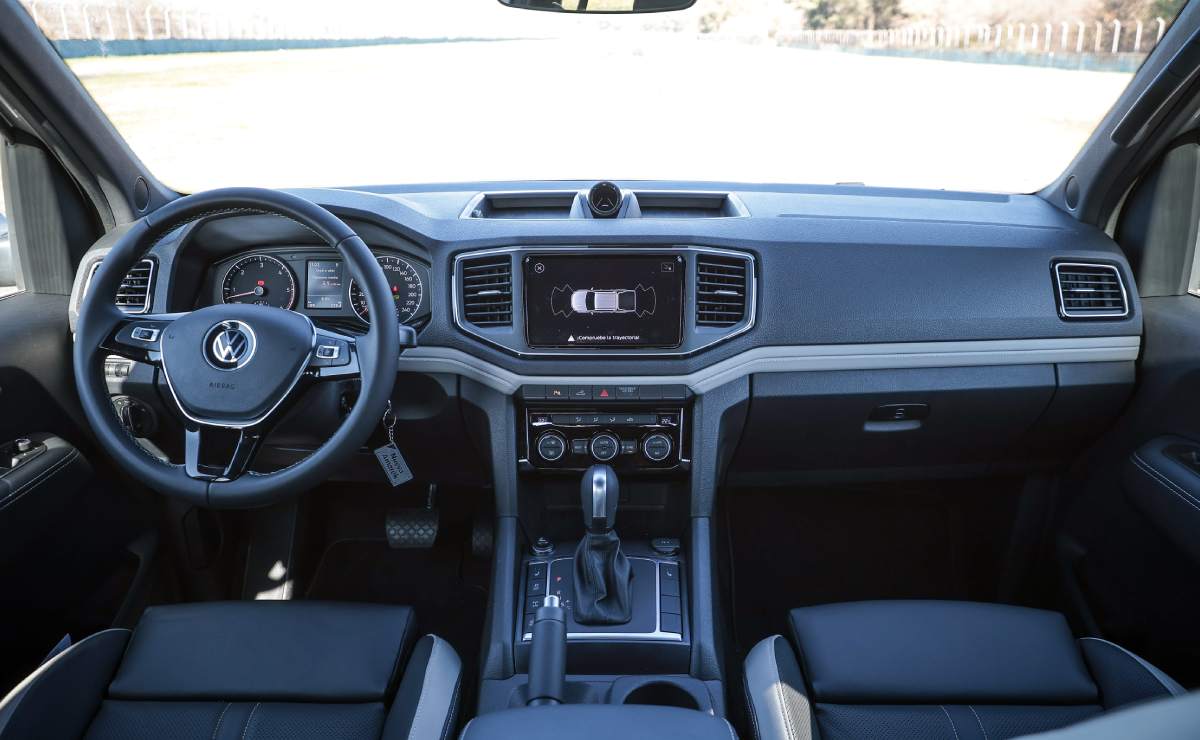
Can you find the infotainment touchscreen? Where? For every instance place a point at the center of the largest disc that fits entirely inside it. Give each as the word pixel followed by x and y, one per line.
pixel 597 300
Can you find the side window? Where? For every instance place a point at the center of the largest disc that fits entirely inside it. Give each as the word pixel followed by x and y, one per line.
pixel 8 273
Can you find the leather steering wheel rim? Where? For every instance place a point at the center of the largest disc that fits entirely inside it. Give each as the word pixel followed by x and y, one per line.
pixel 376 351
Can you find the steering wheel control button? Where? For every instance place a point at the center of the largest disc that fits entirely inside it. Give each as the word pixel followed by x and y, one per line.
pixel 551 446
pixel 331 353
pixel 657 447
pixel 604 199
pixel 605 447
pixel 230 345
pixel 145 334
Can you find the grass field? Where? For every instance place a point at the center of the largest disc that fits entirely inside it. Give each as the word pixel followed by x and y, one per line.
pixel 615 106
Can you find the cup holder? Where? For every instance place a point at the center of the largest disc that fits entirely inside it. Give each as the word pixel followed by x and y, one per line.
pixel 662 694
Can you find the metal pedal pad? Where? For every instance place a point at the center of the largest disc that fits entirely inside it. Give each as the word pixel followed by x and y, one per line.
pixel 411 529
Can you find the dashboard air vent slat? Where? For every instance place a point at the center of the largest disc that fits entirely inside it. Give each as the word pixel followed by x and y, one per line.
pixel 133 295
pixel 487 290
pixel 721 289
pixel 1090 291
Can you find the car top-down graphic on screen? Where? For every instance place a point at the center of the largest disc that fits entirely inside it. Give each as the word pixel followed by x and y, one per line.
pixel 639 301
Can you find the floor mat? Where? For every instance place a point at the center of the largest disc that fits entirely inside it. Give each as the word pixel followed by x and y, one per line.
pixel 446 589
pixel 789 549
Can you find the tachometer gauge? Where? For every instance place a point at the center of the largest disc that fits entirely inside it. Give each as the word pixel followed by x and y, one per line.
pixel 404 283
pixel 260 279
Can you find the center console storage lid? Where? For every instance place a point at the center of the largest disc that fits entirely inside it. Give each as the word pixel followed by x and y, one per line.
pixel 597 722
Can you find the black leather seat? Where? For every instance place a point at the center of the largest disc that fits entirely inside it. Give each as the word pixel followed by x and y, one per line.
pixel 937 669
pixel 245 670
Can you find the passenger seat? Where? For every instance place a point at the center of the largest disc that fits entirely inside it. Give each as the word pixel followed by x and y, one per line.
pixel 937 669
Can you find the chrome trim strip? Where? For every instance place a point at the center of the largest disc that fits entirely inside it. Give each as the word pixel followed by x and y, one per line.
pixel 657 634
pixel 631 352
pixel 1062 311
pixel 124 309
pixel 253 422
pixel 800 358
pixel 599 496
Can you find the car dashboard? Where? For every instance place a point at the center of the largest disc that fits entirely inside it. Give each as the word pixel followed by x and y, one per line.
pixel 756 335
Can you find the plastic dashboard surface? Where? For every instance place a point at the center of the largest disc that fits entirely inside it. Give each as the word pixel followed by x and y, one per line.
pixel 871 270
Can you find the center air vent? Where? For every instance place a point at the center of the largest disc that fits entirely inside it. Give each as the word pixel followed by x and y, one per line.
pixel 1090 291
pixel 721 290
pixel 134 294
pixel 487 290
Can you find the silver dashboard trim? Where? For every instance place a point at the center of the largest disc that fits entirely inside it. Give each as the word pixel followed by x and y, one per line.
pixel 87 283
pixel 633 353
pixel 657 634
pixel 800 358
pixel 1062 301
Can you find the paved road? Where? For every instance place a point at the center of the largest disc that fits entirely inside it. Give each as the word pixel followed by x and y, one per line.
pixel 619 106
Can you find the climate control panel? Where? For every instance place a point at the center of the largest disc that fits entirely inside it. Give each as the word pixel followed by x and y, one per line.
pixel 629 439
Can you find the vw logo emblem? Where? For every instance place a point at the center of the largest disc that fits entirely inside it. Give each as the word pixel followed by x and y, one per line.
pixel 229 345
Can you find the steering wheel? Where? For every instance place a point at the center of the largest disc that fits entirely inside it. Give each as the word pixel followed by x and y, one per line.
pixel 234 367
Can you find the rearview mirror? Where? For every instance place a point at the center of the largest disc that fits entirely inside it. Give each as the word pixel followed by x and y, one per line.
pixel 601 6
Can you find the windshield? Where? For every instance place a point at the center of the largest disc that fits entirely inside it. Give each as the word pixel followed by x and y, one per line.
pixel 994 95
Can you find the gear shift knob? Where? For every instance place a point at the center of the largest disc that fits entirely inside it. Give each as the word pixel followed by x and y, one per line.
pixel 598 493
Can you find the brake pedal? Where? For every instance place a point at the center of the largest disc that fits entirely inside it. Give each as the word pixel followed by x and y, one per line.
pixel 482 537
pixel 413 529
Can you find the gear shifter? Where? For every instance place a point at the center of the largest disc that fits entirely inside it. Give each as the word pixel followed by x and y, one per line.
pixel 603 578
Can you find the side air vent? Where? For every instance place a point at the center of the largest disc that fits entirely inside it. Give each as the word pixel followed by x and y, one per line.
pixel 134 294
pixel 487 290
pixel 721 290
pixel 1090 291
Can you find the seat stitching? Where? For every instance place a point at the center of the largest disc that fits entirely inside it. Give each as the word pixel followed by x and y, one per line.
pixel 787 720
pixel 1168 488
pixel 37 480
pixel 951 721
pixel 433 651
pixel 757 733
pixel 452 713
pixel 1149 468
pixel 246 727
pixel 220 719
pixel 981 727
pixel 1134 658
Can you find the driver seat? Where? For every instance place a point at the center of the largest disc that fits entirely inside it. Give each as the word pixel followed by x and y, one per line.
pixel 245 670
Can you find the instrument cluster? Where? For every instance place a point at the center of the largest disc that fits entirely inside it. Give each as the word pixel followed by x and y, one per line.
pixel 316 282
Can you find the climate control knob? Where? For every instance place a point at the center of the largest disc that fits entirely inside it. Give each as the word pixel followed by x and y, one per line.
pixel 552 446
pixel 657 447
pixel 605 447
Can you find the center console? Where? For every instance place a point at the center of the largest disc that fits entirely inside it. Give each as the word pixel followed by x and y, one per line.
pixel 600 620
pixel 633 428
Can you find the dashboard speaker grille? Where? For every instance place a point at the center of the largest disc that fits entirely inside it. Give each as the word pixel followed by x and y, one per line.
pixel 487 290
pixel 720 290
pixel 1090 291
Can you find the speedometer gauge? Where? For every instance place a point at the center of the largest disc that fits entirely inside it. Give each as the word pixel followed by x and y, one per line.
pixel 402 280
pixel 261 279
